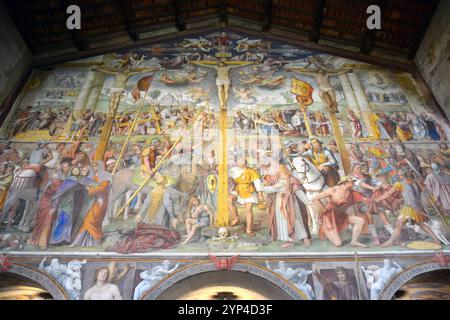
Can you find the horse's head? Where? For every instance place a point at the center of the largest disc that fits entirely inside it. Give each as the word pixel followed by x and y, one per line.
pixel 300 165
pixel 306 170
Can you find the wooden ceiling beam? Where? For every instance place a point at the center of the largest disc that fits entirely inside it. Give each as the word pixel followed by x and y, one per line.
pixel 369 35
pixel 267 15
pixel 269 5
pixel 223 12
pixel 179 22
pixel 77 38
pixel 128 15
pixel 318 20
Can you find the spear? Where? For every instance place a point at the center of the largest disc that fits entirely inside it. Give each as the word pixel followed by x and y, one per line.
pixel 288 156
pixel 437 210
pixel 148 178
pixel 143 84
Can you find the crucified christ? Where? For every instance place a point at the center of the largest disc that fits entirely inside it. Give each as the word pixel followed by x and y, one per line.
pixel 322 77
pixel 120 81
pixel 121 78
pixel 223 79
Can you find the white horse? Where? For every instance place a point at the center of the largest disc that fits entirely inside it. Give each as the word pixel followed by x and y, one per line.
pixel 313 182
pixel 23 187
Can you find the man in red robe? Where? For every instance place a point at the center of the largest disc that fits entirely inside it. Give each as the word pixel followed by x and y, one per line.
pixel 334 218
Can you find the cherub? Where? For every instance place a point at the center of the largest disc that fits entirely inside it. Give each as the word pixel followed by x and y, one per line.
pixel 244 94
pixel 224 263
pixel 198 93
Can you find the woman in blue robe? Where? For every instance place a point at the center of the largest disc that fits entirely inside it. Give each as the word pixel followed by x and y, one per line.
pixel 432 130
pixel 70 203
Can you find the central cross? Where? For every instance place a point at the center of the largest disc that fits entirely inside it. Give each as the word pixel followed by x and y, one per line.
pixel 223 83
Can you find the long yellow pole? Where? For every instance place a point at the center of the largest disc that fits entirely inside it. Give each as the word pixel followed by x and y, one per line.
pixel 340 142
pixel 148 178
pixel 222 194
pixel 305 118
pixel 127 140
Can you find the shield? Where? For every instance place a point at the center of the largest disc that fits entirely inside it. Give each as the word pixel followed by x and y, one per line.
pixel 212 183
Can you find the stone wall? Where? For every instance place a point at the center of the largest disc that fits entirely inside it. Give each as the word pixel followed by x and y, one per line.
pixel 433 56
pixel 14 54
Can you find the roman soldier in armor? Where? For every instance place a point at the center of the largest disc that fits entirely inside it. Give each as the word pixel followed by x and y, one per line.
pixel 324 160
pixel 38 158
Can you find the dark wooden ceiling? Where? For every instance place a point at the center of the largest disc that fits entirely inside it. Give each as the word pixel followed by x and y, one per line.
pixel 42 23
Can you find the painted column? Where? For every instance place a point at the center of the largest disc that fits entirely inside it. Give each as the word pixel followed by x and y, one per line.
pixel 349 94
pixel 80 104
pixel 361 100
pixel 339 138
pixel 95 91
pixel 107 127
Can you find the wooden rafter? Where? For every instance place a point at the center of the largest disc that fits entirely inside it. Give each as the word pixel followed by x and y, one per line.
pixel 318 20
pixel 77 38
pixel 334 20
pixel 128 13
pixel 268 22
pixel 223 12
pixel 180 24
pixel 368 37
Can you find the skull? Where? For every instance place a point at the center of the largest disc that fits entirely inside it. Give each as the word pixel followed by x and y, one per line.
pixel 223 233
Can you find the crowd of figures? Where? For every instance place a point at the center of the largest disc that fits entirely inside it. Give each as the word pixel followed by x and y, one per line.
pixel 52 120
pixel 158 120
pixel 62 196
pixel 403 126
pixel 55 190
pixel 162 121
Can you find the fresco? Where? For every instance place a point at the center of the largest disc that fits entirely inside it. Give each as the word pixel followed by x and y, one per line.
pixel 350 278
pixel 223 142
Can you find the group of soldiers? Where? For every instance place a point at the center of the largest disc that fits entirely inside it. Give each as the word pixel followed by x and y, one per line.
pixel 289 123
pixel 385 181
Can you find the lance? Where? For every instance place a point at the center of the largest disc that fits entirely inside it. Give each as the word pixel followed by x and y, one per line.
pixel 127 140
pixel 437 210
pixel 288 156
pixel 427 197
pixel 148 178
pixel 413 168
pixel 143 83
pixel 357 275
